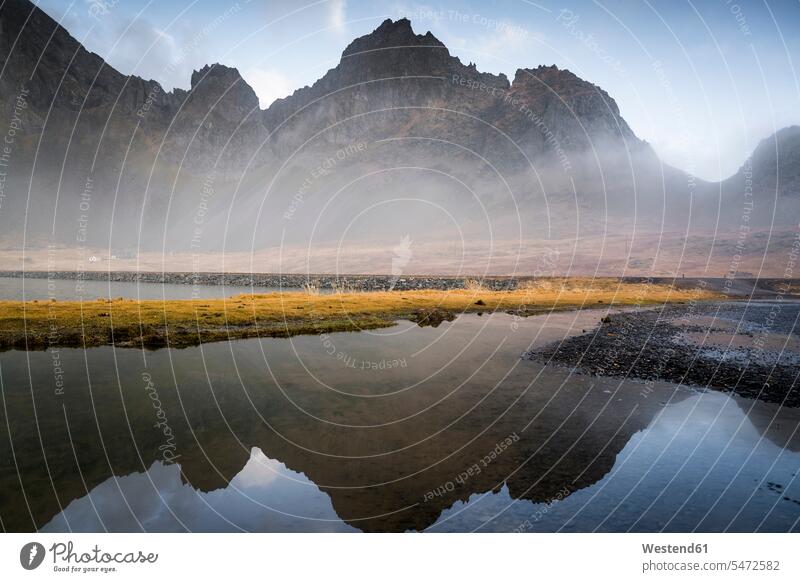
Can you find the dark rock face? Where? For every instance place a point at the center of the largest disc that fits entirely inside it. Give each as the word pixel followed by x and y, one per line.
pixel 112 152
pixel 218 124
pixel 135 162
pixel 235 98
pixel 140 152
pixel 398 34
pixel 64 78
pixel 567 102
pixel 77 91
pixel 394 83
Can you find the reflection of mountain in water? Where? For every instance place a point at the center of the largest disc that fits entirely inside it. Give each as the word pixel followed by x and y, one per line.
pixel 700 466
pixel 566 431
pixel 777 424
pixel 263 496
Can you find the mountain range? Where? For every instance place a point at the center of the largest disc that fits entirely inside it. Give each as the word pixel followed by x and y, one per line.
pixel 400 141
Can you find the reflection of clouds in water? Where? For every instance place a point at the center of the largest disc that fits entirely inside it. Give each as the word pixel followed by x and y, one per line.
pixel 700 464
pixel 263 496
pixel 700 453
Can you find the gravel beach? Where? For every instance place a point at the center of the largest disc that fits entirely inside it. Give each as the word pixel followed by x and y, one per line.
pixel 751 349
pixel 740 287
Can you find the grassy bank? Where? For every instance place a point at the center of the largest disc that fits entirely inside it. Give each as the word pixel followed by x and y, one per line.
pixel 156 323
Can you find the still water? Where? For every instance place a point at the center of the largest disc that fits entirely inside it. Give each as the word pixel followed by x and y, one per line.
pixel 30 289
pixel 401 429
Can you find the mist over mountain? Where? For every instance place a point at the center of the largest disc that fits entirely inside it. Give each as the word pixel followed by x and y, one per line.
pixel 400 141
pixel 775 164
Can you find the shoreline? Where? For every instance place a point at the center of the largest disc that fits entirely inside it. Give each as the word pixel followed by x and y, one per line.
pixel 739 287
pixel 752 349
pixel 182 323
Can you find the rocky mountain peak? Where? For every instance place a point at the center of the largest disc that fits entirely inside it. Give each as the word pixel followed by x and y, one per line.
pixel 397 97
pixel 216 72
pixel 392 34
pixel 223 88
pixel 550 89
pixel 395 50
pixel 390 66
pixel 563 82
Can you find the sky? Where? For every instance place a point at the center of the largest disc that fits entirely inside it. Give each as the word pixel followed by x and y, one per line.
pixel 702 81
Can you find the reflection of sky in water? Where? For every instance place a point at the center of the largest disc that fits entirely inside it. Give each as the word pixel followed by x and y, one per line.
pixel 11 288
pixel 264 496
pixel 700 465
pixel 705 461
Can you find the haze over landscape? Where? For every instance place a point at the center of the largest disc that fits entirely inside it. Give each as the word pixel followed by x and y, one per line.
pixel 390 267
pixel 400 148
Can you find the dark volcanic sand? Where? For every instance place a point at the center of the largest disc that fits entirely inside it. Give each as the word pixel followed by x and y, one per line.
pixel 752 349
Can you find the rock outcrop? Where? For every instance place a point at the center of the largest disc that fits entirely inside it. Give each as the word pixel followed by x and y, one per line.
pixel 394 83
pixel 109 159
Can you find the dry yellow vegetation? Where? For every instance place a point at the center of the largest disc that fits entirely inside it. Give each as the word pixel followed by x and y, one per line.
pixel 157 323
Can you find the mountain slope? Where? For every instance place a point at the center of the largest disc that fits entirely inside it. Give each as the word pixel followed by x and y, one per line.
pixel 775 163
pixel 394 83
pixel 400 139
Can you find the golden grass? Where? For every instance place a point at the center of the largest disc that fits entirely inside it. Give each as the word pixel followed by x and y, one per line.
pixel 157 323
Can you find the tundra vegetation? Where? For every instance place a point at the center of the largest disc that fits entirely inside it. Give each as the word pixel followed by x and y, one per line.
pixel 181 323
